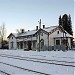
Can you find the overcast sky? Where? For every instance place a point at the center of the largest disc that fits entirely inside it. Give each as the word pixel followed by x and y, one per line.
pixel 17 14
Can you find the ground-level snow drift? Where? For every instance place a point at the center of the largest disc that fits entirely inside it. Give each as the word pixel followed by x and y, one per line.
pixel 43 62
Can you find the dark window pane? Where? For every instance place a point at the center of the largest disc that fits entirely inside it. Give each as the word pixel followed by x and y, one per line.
pixel 57 42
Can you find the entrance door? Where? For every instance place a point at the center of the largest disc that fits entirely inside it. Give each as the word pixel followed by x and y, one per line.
pixel 65 43
pixel 29 45
pixel 57 45
pixel 57 42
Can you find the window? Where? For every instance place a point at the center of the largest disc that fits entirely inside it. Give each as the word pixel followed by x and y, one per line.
pixel 21 45
pixel 34 44
pixel 57 32
pixel 57 42
pixel 12 37
pixel 64 41
pixel 12 44
pixel 18 45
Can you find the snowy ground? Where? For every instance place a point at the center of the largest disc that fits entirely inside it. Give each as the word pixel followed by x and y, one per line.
pixel 19 62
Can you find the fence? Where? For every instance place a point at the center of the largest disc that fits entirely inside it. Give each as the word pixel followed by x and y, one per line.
pixel 56 47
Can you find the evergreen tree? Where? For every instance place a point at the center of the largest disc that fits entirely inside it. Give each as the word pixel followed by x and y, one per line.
pixel 70 25
pixel 65 22
pixel 70 28
pixel 60 21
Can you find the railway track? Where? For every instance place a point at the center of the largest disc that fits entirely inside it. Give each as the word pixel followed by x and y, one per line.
pixel 22 69
pixel 55 62
pixel 4 73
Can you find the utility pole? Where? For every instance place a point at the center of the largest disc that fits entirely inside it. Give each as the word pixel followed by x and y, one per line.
pixel 40 24
pixel 39 32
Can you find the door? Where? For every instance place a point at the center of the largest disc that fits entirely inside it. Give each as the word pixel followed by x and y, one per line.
pixel 57 45
pixel 29 45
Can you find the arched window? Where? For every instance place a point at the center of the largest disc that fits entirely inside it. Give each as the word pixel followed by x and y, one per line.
pixel 57 32
pixel 12 37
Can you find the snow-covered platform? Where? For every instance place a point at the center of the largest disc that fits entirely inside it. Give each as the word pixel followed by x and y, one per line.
pixel 18 62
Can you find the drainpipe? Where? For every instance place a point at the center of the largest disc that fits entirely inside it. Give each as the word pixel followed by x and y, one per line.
pixel 48 41
pixel 31 43
pixel 66 42
pixel 39 41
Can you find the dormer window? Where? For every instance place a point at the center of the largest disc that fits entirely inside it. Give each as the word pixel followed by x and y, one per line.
pixel 57 32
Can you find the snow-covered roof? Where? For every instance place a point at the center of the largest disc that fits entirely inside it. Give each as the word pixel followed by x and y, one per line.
pixel 49 29
pixel 15 34
pixel 32 32
pixel 68 35
pixel 28 33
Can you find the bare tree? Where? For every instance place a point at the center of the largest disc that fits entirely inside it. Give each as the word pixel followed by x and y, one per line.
pixel 20 31
pixel 2 33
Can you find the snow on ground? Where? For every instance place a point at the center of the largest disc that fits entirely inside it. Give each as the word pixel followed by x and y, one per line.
pixel 52 69
pixel 12 70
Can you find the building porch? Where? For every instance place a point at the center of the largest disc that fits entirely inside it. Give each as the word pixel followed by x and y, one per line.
pixel 27 45
pixel 62 43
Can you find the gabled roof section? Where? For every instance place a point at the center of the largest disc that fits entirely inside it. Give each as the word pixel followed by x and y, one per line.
pixel 41 30
pixel 47 29
pixel 67 34
pixel 12 34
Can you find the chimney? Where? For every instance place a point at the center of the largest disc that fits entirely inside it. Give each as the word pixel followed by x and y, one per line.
pixel 22 30
pixel 43 26
pixel 28 30
pixel 36 27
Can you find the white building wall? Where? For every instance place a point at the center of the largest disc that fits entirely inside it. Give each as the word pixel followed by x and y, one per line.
pixel 69 43
pixel 44 37
pixel 54 34
pixel 14 42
